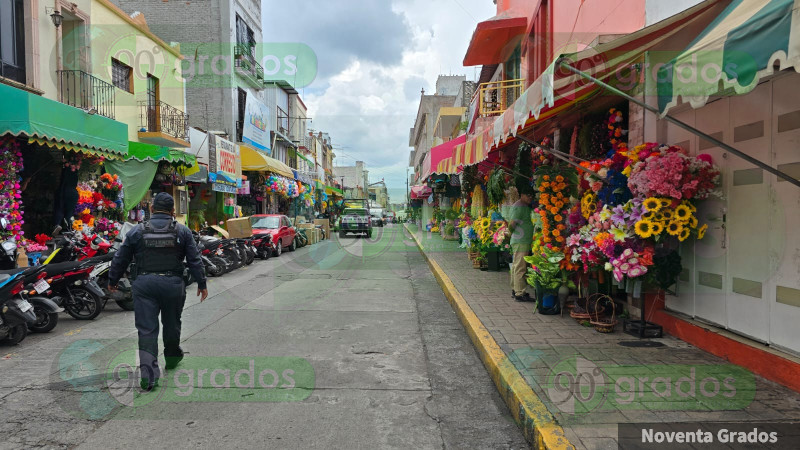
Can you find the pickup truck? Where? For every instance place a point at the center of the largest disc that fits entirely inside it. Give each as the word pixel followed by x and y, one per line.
pixel 355 220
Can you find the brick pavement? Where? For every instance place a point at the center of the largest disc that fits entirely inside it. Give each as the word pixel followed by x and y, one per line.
pixel 548 350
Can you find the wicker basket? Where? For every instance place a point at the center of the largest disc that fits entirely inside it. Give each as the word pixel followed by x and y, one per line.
pixel 475 263
pixel 581 313
pixel 603 324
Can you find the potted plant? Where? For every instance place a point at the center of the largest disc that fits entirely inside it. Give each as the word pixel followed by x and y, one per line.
pixel 546 274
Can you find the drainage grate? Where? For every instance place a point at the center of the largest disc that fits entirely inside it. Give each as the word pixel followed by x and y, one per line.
pixel 639 344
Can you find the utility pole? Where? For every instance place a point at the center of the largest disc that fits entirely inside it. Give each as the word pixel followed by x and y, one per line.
pixel 408 195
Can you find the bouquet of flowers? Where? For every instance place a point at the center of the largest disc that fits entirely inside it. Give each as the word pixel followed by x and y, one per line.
pixel 669 172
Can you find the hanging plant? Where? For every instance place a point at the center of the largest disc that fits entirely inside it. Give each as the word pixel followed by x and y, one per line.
pixel 11 207
pixel 496 186
pixel 523 170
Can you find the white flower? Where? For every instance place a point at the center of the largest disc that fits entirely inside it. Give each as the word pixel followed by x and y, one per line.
pixel 608 266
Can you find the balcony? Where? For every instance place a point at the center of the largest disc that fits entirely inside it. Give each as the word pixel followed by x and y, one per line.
pixel 89 93
pixel 247 66
pixel 283 121
pixel 495 97
pixel 163 124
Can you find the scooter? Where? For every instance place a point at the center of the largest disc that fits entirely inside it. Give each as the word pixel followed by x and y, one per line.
pixel 34 283
pixel 15 311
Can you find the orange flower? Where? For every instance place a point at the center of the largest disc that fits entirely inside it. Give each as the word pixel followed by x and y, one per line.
pixel 546 184
pixel 559 205
pixel 546 178
pixel 562 186
pixel 561 226
pixel 547 239
pixel 554 210
pixel 560 239
pixel 559 178
pixel 558 218
pixel 556 232
pixel 541 188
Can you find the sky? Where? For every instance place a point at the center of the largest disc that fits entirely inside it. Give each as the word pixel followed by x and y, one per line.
pixel 373 59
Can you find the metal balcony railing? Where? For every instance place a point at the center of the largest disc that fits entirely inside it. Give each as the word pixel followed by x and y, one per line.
pixel 283 120
pixel 246 61
pixel 495 97
pixel 161 117
pixel 82 90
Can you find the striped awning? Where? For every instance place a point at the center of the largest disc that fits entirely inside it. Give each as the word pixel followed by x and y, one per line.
pixel 557 89
pixel 749 40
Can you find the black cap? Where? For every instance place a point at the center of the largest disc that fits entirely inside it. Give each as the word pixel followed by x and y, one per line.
pixel 163 202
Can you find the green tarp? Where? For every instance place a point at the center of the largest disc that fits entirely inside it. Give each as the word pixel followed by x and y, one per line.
pixel 136 177
pixel 24 113
pixel 141 151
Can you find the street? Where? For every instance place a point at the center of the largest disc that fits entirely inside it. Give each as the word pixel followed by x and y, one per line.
pixel 388 364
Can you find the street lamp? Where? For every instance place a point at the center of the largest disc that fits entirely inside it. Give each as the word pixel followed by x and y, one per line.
pixel 55 16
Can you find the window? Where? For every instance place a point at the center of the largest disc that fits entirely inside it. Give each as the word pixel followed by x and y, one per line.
pixel 245 36
pixel 12 40
pixel 121 75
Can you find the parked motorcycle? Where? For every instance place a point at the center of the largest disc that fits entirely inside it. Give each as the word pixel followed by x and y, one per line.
pixel 15 311
pixel 264 246
pixel 34 284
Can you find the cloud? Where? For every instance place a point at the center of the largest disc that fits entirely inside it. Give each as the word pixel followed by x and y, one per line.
pixel 340 32
pixel 374 57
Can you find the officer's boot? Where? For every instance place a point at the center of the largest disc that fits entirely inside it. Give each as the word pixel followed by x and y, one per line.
pixel 172 357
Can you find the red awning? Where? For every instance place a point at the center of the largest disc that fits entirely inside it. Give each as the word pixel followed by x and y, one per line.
pixel 494 37
pixel 444 153
pixel 420 192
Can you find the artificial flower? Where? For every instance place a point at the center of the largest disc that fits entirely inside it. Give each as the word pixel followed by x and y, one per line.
pixel 619 234
pixel 657 228
pixel 652 204
pixel 644 228
pixel 682 212
pixel 675 228
pixel 684 234
pixel 701 232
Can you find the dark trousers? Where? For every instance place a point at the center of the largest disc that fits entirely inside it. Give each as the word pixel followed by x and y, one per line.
pixel 154 294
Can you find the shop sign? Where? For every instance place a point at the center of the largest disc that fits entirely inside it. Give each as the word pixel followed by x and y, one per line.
pixel 255 130
pixel 224 165
pixel 222 187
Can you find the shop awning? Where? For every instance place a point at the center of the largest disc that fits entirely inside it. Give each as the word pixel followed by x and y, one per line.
pixel 743 45
pixel 426 168
pixel 51 123
pixel 495 36
pixel 442 155
pixel 330 190
pixel 142 151
pixel 420 192
pixel 257 161
pixel 557 89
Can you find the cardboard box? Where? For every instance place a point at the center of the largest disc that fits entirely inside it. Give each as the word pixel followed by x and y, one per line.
pixel 325 225
pixel 306 226
pixel 239 228
pixel 316 236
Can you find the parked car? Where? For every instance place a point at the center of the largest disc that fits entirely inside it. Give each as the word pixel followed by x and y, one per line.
pixel 278 227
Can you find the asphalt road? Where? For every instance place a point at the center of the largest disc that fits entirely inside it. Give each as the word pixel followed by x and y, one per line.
pixel 344 344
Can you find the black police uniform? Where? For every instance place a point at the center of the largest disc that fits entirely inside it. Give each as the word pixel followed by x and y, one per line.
pixel 160 246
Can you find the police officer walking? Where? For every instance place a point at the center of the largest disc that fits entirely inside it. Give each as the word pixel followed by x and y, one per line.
pixel 159 246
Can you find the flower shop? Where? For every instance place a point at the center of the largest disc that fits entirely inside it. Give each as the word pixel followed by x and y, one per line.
pixel 43 186
pixel 609 217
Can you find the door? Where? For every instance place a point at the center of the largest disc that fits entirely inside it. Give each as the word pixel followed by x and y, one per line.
pixel 153 104
pixel 783 293
pixel 683 301
pixel 749 214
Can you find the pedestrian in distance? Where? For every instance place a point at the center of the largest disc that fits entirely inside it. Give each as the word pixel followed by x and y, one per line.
pixel 159 247
pixel 521 228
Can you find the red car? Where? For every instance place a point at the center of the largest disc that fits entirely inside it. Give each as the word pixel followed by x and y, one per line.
pixel 278 227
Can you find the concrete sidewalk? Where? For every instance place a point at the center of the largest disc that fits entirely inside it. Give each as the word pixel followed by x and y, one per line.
pixel 568 385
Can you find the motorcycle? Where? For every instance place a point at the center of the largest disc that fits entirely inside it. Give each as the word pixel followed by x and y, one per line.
pixel 34 284
pixel 211 255
pixel 263 245
pixel 247 250
pixel 15 311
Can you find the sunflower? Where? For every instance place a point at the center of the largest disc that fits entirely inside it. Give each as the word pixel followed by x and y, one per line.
pixel 657 228
pixel 684 234
pixel 667 214
pixel 484 223
pixel 675 228
pixel 652 204
pixel 644 228
pixel 693 222
pixel 665 202
pixel 702 231
pixel 682 212
pixel 649 215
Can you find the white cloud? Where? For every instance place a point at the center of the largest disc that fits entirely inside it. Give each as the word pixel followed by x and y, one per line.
pixel 367 98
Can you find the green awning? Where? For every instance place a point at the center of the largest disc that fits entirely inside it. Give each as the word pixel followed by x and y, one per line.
pixel 733 53
pixel 149 152
pixel 53 123
pixel 331 189
pixel 304 158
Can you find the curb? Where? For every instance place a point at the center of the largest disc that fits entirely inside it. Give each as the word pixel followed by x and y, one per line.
pixel 538 426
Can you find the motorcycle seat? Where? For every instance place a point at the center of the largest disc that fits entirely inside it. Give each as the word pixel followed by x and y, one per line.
pixel 63 267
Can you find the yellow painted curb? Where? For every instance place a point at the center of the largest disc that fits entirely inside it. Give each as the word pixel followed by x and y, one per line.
pixel 538 425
